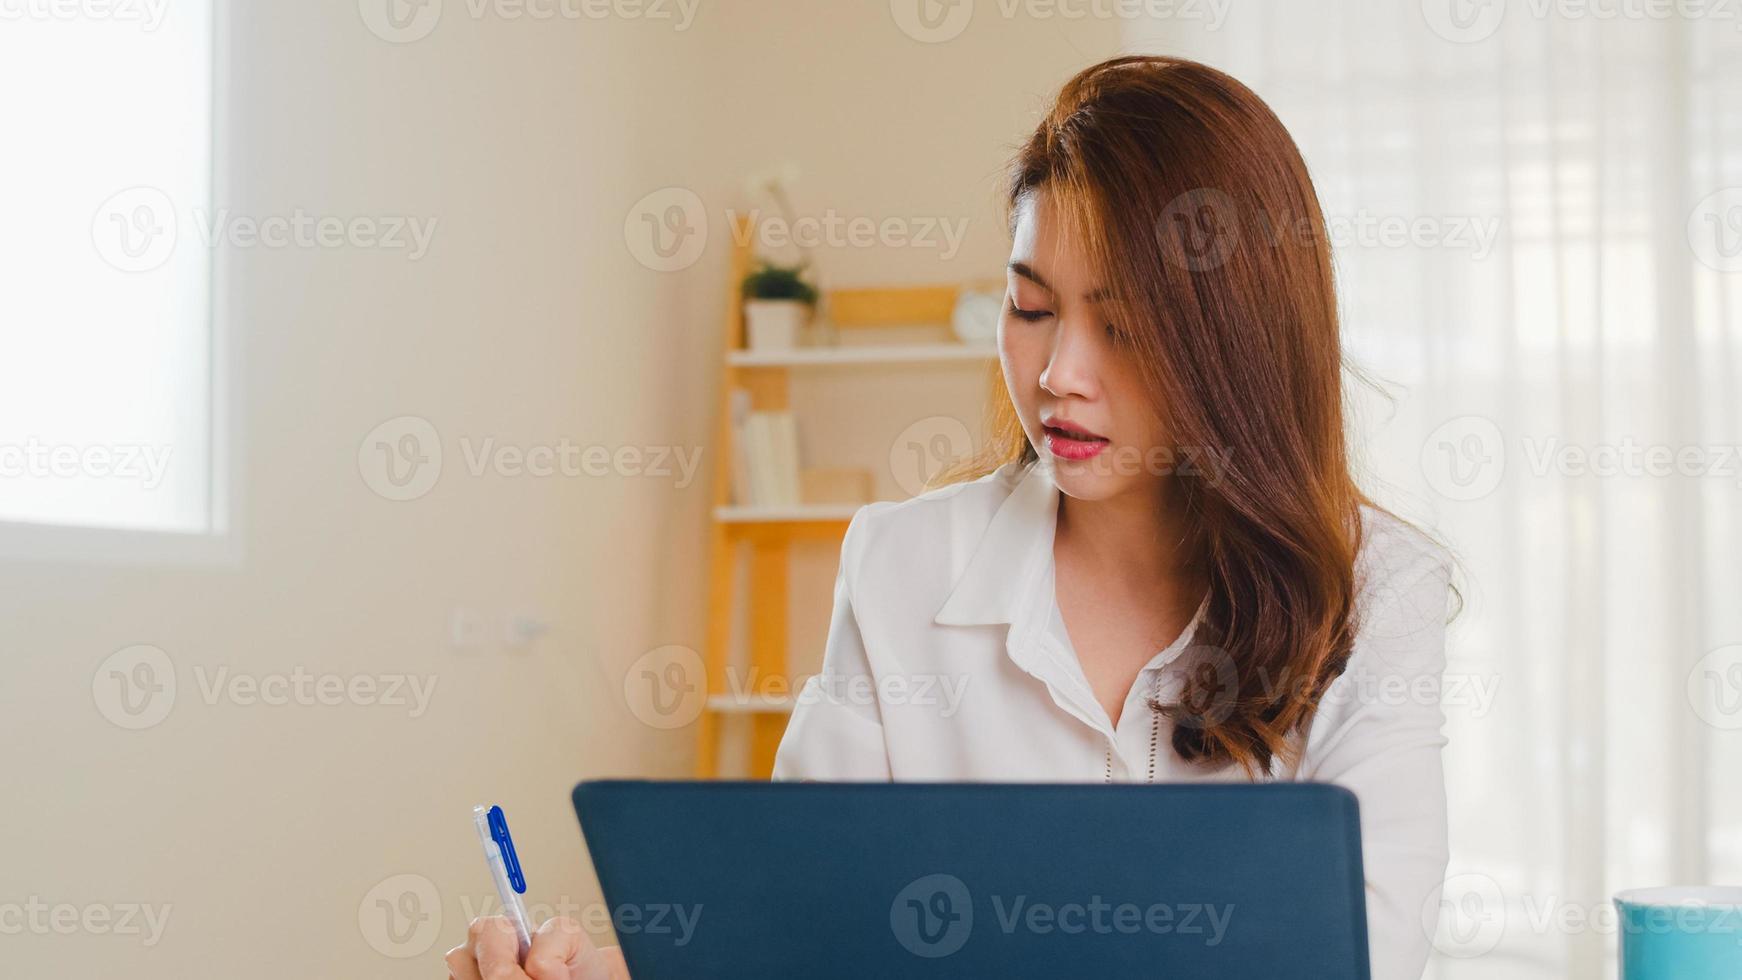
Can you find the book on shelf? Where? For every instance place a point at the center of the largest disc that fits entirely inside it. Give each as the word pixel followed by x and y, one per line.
pixel 765 471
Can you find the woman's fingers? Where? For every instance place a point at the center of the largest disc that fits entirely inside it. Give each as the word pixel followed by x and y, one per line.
pixel 558 951
pixel 461 964
pixel 463 959
pixel 497 946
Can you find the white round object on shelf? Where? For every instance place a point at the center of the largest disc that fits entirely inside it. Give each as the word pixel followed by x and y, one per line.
pixel 975 320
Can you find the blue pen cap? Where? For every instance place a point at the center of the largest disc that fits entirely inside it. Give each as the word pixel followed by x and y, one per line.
pixel 510 860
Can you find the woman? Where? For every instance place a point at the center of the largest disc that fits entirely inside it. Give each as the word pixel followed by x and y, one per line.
pixel 1169 474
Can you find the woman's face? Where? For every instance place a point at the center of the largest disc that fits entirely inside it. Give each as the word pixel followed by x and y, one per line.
pixel 1076 388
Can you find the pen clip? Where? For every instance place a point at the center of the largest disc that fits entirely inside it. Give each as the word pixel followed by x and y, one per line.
pixel 505 843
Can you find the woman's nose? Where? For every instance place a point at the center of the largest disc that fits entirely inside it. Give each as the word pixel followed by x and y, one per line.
pixel 1071 370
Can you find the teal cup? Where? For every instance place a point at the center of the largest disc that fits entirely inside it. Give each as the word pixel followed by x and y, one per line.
pixel 1680 933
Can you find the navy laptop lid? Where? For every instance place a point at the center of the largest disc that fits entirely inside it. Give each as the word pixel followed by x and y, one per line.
pixel 846 880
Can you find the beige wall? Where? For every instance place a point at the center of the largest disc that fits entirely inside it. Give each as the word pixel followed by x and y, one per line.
pixel 264 828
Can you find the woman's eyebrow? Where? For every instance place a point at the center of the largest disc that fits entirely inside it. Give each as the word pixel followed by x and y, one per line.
pixel 1026 271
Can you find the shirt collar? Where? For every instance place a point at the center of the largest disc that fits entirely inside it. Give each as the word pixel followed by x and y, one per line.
pixel 1013 550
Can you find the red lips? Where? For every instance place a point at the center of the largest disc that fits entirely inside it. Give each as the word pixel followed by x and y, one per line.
pixel 1070 430
pixel 1067 440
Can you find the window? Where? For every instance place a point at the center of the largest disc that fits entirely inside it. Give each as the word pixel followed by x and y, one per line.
pixel 108 379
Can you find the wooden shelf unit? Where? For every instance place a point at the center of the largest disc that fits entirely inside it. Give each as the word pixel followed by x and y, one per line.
pixel 769 532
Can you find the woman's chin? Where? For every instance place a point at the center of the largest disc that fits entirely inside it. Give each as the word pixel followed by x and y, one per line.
pixel 1088 480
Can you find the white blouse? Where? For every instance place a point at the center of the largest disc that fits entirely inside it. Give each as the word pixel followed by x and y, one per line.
pixel 947 660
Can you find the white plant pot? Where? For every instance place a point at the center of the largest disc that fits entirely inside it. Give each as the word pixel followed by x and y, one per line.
pixel 773 324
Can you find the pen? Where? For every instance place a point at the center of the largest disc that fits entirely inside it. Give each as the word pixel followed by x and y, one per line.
pixel 504 870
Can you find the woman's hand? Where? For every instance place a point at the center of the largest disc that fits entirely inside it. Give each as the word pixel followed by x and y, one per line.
pixel 560 951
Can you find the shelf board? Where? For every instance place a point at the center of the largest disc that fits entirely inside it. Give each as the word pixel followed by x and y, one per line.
pixel 729 704
pixel 786 515
pixel 863 354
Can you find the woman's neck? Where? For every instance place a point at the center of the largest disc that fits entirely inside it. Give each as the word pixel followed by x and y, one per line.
pixel 1145 536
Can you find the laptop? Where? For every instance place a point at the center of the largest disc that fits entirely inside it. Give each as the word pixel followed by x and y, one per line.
pixel 845 881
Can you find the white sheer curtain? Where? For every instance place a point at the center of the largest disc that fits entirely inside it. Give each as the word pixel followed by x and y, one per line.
pixel 1538 212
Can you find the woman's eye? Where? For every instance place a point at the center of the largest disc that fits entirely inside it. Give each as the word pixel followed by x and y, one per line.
pixel 1029 315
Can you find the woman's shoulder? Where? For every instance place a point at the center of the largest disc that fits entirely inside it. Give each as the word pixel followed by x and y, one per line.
pixel 938 520
pixel 1393 548
pixel 1403 578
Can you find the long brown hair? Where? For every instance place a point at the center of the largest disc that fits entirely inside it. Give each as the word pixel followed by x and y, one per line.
pixel 1193 201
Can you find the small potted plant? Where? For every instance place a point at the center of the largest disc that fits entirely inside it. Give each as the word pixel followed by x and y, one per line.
pixel 777 302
